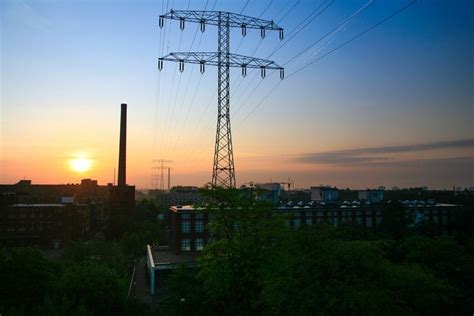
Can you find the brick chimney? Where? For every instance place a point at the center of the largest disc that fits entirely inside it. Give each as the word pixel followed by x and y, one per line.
pixel 123 147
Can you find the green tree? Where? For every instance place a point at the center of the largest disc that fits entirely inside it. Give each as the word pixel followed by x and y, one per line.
pixel 25 277
pixel 94 285
pixel 314 273
pixel 244 232
pixel 185 294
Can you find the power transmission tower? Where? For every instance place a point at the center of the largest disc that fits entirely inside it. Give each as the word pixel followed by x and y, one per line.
pixel 223 173
pixel 158 179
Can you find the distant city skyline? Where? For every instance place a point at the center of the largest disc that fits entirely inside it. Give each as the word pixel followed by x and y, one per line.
pixel 395 107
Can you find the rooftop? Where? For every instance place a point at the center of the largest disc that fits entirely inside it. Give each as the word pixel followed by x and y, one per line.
pixel 167 259
pixel 38 205
pixel 183 208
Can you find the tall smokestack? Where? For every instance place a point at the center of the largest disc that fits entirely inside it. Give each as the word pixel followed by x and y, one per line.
pixel 123 147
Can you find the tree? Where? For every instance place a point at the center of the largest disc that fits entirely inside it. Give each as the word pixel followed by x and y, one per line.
pixel 185 294
pixel 257 265
pixel 395 222
pixel 25 277
pixel 94 285
pixel 315 273
pixel 244 232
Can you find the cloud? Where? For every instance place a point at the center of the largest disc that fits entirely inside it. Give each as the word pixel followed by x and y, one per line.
pixel 370 155
pixel 439 173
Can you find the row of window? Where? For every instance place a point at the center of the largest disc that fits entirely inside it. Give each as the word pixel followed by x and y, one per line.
pixel 337 213
pixel 188 216
pixel 335 221
pixel 23 227
pixel 37 214
pixel 198 226
pixel 186 244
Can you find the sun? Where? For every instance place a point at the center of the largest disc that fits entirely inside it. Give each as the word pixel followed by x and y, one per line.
pixel 80 164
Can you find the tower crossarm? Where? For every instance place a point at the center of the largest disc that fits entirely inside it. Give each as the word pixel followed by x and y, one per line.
pixel 212 59
pixel 212 18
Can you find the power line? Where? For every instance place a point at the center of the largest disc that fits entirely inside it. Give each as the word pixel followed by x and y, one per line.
pixel 310 18
pixel 266 8
pixel 302 25
pixel 245 6
pixel 334 50
pixel 356 36
pixel 240 80
pixel 325 55
pixel 197 87
pixel 168 128
pixel 160 51
pixel 289 11
pixel 332 32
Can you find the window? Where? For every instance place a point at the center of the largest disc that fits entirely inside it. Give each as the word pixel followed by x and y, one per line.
pixel 185 226
pixel 445 220
pixel 199 216
pixel 199 226
pixel 297 222
pixel 309 221
pixel 297 214
pixel 369 222
pixel 185 245
pixel 186 216
pixel 199 244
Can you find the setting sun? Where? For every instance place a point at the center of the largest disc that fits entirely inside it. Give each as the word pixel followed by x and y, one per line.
pixel 80 164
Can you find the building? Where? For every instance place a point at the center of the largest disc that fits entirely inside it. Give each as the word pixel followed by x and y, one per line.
pixel 371 196
pixel 179 195
pixel 161 262
pixel 47 225
pixel 189 225
pixel 271 192
pixel 324 194
pixel 189 228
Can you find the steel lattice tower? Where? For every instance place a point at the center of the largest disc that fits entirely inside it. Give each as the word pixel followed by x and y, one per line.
pixel 223 173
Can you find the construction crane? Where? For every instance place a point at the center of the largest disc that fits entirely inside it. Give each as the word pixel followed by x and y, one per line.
pixel 288 183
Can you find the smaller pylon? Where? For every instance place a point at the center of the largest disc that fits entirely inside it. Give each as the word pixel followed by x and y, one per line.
pixel 158 179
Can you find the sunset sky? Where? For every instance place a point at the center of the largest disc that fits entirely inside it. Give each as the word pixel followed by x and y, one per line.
pixel 394 107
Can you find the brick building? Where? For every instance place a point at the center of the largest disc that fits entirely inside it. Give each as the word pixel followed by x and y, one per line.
pixel 46 225
pixel 179 195
pixel 189 225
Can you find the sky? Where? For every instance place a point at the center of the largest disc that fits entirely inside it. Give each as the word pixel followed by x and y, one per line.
pixel 393 107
